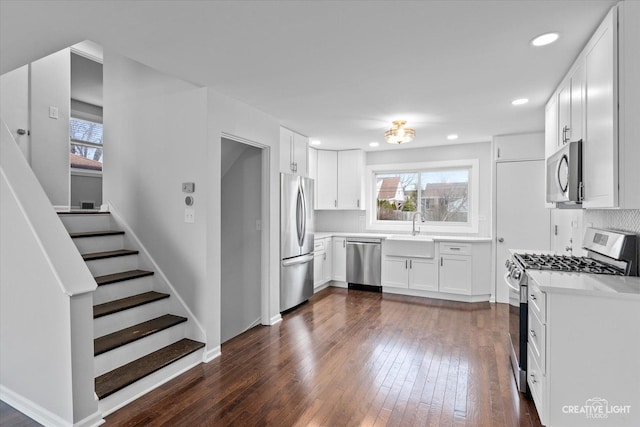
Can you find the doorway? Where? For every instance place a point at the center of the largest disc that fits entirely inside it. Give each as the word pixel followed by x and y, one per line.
pixel 241 208
pixel 522 220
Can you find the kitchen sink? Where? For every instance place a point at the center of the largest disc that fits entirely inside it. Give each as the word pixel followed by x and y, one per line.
pixel 407 245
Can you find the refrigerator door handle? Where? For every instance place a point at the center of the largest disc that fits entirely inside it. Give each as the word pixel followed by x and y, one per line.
pixel 297 260
pixel 301 216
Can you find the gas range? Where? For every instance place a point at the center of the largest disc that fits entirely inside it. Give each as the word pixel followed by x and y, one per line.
pixel 565 263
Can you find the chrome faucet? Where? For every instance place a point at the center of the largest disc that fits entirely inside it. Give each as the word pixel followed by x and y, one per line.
pixel 413 229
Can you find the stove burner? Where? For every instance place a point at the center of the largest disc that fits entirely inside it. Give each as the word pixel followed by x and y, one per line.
pixel 566 263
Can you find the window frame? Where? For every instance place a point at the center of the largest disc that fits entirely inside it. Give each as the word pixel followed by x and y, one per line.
pixel 470 226
pixel 80 115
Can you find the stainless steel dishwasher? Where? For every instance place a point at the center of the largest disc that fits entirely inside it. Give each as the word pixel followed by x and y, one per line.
pixel 363 263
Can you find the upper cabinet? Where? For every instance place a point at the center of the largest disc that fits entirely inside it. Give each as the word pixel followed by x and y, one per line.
pixel 599 102
pixel 340 179
pixel 294 152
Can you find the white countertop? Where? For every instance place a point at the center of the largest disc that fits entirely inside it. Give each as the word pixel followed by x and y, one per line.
pixel 324 234
pixel 599 285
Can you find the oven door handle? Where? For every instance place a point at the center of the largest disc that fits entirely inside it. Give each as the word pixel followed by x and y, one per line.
pixel 508 282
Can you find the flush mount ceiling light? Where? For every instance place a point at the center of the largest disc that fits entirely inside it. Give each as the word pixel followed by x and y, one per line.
pixel 399 134
pixel 520 101
pixel 544 39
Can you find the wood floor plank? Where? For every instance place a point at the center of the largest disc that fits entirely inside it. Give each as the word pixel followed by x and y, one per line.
pixel 352 358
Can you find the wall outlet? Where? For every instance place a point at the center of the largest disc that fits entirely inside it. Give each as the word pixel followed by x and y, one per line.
pixel 190 216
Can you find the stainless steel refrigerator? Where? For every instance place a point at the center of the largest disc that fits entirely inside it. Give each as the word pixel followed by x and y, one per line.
pixel 296 240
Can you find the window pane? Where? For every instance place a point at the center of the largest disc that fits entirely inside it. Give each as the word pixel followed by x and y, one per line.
pixel 445 195
pixel 84 157
pixel 84 130
pixel 397 195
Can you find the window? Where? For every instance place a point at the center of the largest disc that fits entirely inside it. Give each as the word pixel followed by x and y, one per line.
pixel 86 144
pixel 443 192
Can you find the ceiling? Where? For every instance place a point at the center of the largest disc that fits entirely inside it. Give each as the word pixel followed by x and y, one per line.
pixel 336 71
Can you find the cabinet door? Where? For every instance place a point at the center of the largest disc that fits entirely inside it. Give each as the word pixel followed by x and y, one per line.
pixel 395 272
pixel 577 103
pixel 300 154
pixel 313 174
pixel 350 177
pixel 339 267
pixel 286 138
pixel 423 274
pixel 455 274
pixel 327 265
pixel 318 268
pixel 564 113
pixel 600 148
pixel 327 183
pixel 551 126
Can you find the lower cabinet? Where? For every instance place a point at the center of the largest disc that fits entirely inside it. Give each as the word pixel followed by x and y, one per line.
pixel 409 273
pixel 339 258
pixel 322 262
pixel 455 274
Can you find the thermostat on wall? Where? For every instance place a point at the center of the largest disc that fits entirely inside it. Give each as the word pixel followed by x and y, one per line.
pixel 188 187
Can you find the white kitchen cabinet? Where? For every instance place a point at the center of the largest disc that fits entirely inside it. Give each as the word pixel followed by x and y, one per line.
pixel 340 182
pixel 577 359
pixel 327 271
pixel 339 259
pixel 321 262
pixel 597 101
pixel 409 273
pixel 351 179
pixel 327 182
pixel 528 146
pixel 455 274
pixel 313 173
pixel 551 127
pixel 294 152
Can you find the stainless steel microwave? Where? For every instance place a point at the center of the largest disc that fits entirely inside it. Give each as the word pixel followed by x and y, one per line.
pixel 564 174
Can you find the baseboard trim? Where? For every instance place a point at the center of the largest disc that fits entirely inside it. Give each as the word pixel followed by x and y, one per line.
pixel 275 319
pixel 209 355
pixel 42 415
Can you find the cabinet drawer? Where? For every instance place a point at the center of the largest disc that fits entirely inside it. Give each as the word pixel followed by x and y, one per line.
pixel 536 379
pixel 537 302
pixel 455 248
pixel 319 245
pixel 536 336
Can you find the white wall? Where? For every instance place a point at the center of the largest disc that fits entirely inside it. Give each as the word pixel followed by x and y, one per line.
pixel 86 188
pixel 163 131
pixel 51 87
pixel 156 127
pixel 337 221
pixel 241 240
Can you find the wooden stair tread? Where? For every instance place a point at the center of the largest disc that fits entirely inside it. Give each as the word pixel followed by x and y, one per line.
pixel 96 233
pixel 135 332
pixel 126 303
pixel 122 276
pixel 125 375
pixel 87 212
pixel 109 254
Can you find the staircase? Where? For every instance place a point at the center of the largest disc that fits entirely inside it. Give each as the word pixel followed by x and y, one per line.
pixel 140 331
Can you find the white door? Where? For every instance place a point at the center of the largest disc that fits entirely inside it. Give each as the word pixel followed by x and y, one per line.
pixel 522 221
pixel 14 107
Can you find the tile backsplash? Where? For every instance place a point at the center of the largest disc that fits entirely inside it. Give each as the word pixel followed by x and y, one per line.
pixel 624 219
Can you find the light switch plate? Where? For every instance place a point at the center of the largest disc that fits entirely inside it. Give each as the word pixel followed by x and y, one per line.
pixel 53 112
pixel 190 216
pixel 188 187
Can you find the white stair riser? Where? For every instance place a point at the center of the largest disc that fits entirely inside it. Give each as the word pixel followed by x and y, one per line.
pixel 88 245
pixel 117 400
pixel 123 289
pixel 82 223
pixel 100 267
pixel 115 358
pixel 123 319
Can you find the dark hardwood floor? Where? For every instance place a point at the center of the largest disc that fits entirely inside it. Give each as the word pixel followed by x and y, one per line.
pixel 352 358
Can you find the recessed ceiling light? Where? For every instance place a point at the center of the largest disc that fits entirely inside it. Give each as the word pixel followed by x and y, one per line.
pixel 520 101
pixel 316 142
pixel 452 136
pixel 373 144
pixel 544 39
